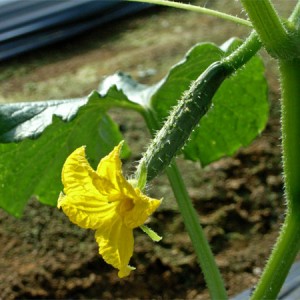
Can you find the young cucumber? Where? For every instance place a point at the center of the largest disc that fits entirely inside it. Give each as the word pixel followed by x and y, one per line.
pixel 184 117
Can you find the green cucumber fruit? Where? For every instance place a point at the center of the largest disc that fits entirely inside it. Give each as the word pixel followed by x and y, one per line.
pixel 184 117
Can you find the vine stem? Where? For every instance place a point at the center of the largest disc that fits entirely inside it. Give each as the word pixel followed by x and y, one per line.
pixel 191 220
pixel 288 243
pixel 280 261
pixel 202 249
pixel 197 9
pixel 283 45
pixel 270 28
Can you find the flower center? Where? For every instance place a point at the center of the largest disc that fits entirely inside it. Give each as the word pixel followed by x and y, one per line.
pixel 125 206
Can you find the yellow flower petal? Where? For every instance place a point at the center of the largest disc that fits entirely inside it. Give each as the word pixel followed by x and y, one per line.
pixel 110 168
pixel 78 177
pixel 84 204
pixel 87 212
pixel 116 246
pixel 105 201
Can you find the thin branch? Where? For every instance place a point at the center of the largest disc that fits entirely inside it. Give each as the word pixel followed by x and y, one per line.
pixel 197 9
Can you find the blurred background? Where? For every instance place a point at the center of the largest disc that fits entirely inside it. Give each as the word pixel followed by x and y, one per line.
pixel 30 24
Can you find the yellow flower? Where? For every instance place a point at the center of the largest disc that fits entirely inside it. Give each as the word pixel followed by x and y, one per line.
pixel 103 200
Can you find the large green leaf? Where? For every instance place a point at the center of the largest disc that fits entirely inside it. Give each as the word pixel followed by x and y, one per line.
pixel 19 121
pixel 33 167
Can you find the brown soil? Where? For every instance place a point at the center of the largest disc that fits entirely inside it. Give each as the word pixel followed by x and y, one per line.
pixel 239 199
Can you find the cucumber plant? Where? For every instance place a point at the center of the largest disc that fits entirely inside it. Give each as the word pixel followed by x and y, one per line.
pixel 181 111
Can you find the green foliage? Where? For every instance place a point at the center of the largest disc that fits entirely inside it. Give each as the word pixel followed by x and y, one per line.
pixel 37 137
pixel 33 167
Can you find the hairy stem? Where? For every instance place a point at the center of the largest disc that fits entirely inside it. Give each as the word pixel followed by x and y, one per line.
pixel 290 78
pixel 244 53
pixel 288 243
pixel 270 28
pixel 280 261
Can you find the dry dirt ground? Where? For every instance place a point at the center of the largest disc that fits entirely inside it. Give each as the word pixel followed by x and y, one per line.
pixel 239 199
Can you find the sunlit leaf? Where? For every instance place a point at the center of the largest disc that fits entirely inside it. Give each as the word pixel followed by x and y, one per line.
pixel 33 167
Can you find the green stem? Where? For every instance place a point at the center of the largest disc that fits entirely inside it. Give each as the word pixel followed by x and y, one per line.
pixel 280 261
pixel 269 27
pixel 242 54
pixel 205 256
pixel 197 9
pixel 288 244
pixel 290 79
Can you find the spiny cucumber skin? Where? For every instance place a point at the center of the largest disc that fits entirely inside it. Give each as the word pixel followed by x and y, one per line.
pixel 182 120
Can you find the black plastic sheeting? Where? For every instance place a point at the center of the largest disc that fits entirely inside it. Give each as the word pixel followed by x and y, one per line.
pixel 30 24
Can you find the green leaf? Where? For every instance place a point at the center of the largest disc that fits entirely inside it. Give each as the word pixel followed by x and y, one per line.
pixel 136 94
pixel 19 121
pixel 33 167
pixel 239 113
pixel 29 119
